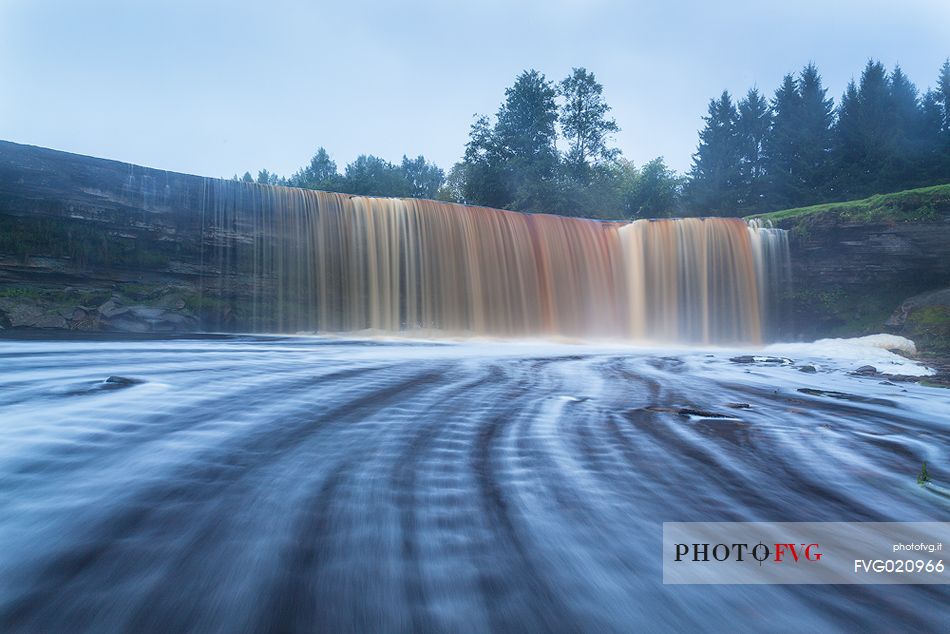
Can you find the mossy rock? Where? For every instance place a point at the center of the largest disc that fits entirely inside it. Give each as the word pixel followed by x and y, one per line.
pixel 925 318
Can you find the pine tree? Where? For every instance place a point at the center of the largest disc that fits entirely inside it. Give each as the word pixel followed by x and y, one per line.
pixel 865 134
pixel 815 139
pixel 782 145
pixel 905 159
pixel 942 95
pixel 714 176
pixel 753 122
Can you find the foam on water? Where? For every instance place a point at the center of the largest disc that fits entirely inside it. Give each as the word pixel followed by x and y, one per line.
pixel 879 351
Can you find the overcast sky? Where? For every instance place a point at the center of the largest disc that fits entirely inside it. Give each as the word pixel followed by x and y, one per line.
pixel 217 88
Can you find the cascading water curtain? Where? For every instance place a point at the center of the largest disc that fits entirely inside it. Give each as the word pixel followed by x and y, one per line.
pixel 324 262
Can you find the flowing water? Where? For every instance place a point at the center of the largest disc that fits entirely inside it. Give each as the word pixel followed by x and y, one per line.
pixel 324 262
pixel 267 483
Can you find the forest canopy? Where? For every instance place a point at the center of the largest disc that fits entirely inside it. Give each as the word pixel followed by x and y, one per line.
pixel 549 148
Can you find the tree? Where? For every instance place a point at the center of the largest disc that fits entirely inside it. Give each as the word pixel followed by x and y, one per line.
pixel 907 150
pixel 513 163
pixel 811 164
pixel 942 98
pixel 864 133
pixel 584 122
pixel 753 122
pixel 849 150
pixel 266 178
pixel 483 177
pixel 800 142
pixel 653 192
pixel 782 144
pixel 713 178
pixel 320 173
pixel 453 188
pixel 943 95
pixel 526 135
pixel 370 175
pixel 423 178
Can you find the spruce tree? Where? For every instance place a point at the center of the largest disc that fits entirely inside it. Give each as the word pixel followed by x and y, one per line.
pixel 714 176
pixel 815 139
pixel 865 134
pixel 942 96
pixel 754 119
pixel 905 162
pixel 782 145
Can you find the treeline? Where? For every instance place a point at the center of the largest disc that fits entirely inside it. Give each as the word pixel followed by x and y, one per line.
pixel 799 148
pixel 549 149
pixel 368 175
pixel 513 161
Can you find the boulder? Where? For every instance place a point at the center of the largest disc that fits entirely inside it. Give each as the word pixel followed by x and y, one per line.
pixel 116 382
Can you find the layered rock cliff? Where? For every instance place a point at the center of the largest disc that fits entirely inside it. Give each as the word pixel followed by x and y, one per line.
pixel 855 264
pixel 89 244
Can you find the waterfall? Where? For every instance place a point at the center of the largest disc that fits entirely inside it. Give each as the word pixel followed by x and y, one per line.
pixel 325 262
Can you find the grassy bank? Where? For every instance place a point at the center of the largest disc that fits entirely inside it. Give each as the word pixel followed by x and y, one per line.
pixel 927 204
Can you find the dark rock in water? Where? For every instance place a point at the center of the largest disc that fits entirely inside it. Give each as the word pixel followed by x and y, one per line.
pixel 748 358
pixel 808 369
pixel 844 396
pixel 738 405
pixel 115 382
pixel 865 370
pixel 698 413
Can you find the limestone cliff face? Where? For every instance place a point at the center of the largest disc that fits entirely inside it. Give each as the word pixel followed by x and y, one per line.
pixel 78 234
pixel 848 277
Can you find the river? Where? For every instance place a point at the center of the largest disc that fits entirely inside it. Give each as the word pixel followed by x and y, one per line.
pixel 237 483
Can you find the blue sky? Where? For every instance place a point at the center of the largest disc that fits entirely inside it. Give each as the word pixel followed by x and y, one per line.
pixel 216 88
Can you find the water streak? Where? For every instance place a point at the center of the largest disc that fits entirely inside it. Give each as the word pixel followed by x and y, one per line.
pixel 317 484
